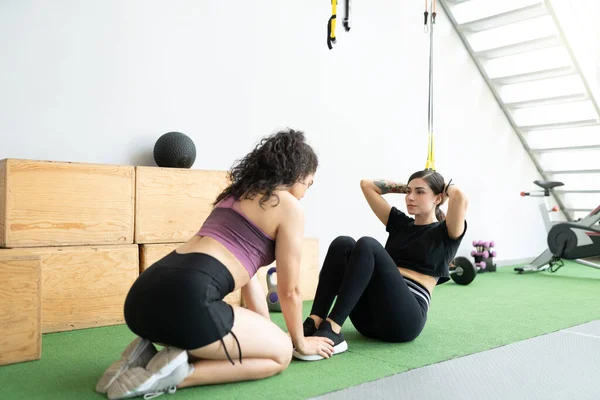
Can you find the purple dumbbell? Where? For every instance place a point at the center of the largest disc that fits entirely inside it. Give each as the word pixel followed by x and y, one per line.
pixel 486 254
pixel 494 253
pixel 492 244
pixel 482 265
pixel 486 244
pixel 474 242
pixel 473 253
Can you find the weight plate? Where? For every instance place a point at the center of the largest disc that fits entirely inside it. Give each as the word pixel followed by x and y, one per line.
pixel 468 274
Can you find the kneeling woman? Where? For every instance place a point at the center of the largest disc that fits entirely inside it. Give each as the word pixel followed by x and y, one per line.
pixel 178 301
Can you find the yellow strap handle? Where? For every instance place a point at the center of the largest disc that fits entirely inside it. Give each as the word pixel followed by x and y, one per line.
pixel 331 25
pixel 333 15
pixel 430 154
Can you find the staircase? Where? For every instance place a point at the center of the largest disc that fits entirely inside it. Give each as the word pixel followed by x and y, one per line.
pixel 549 93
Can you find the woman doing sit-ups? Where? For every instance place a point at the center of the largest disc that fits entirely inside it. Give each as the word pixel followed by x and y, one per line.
pixel 386 290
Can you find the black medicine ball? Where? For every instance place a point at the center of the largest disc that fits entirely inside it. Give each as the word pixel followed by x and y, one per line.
pixel 174 150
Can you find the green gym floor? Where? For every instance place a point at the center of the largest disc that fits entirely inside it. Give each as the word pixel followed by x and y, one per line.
pixel 498 310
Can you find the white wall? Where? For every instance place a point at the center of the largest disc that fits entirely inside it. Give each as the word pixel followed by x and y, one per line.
pixel 101 81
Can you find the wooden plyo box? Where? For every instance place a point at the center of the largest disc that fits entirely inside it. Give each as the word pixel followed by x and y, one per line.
pixel 172 203
pixel 309 270
pixel 151 253
pixel 83 286
pixel 20 309
pixel 47 203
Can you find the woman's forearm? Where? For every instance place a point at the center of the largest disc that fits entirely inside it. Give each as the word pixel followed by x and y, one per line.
pixel 383 186
pixel 291 308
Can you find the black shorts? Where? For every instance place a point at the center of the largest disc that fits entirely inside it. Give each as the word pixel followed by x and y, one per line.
pixel 178 301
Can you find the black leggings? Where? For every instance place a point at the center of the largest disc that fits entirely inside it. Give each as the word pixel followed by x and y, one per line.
pixel 381 303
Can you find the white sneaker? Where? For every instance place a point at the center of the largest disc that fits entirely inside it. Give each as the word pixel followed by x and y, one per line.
pixel 167 369
pixel 137 354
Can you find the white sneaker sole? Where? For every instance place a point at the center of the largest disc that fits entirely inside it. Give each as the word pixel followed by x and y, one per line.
pixel 139 381
pixel 164 371
pixel 128 357
pixel 340 348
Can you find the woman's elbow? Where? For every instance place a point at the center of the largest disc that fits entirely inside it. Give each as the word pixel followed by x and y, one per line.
pixel 464 200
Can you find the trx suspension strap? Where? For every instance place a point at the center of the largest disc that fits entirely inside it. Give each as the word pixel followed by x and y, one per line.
pixel 430 147
pixel 331 39
pixel 347 16
pixel 331 25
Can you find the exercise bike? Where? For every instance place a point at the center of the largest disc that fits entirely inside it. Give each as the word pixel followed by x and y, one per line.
pixel 566 240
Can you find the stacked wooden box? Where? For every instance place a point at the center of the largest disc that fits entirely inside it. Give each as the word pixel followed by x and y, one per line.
pixel 76 220
pixel 75 236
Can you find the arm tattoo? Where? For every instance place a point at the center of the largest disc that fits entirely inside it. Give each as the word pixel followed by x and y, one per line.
pixel 390 187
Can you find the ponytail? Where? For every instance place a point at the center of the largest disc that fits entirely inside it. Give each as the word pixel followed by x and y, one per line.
pixel 439 214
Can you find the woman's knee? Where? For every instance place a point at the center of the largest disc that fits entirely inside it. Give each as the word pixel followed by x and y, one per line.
pixel 342 244
pixel 338 253
pixel 368 243
pixel 281 345
pixel 282 353
pixel 284 358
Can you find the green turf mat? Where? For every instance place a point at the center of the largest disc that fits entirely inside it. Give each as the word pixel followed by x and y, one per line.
pixel 496 309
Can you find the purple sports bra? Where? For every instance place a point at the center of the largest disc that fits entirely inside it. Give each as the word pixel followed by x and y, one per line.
pixel 246 241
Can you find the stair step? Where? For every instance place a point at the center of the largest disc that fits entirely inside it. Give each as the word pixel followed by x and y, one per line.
pixel 574 160
pixel 559 125
pixel 581 136
pixel 515 34
pixel 505 18
pixel 528 62
pixel 569 148
pixel 518 48
pixel 548 101
pixel 533 76
pixel 467 11
pixel 555 113
pixel 542 89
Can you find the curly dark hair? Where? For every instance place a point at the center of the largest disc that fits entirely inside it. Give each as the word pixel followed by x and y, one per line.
pixel 435 181
pixel 281 159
